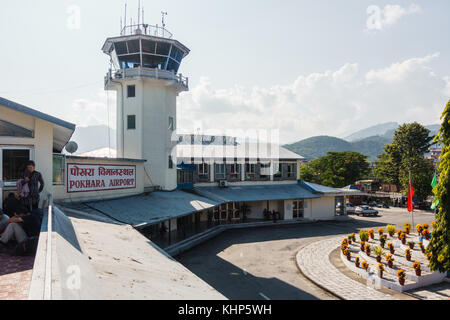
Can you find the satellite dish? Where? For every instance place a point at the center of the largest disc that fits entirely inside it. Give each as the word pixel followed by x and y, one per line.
pixel 72 147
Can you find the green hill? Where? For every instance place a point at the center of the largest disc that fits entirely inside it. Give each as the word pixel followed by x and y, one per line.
pixel 316 147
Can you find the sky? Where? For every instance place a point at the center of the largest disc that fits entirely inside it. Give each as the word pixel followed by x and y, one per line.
pixel 305 68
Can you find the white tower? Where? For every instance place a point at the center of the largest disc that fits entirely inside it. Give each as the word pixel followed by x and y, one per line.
pixel 145 61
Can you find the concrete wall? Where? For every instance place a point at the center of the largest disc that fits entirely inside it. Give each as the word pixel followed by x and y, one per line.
pixel 154 103
pixel 60 191
pixel 323 208
pixel 314 209
pixel 41 144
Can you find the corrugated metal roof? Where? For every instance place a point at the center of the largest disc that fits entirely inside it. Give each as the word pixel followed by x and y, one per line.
pixel 252 150
pixel 256 193
pixel 143 210
pixel 320 188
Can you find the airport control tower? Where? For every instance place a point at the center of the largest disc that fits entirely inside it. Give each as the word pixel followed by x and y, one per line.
pixel 145 60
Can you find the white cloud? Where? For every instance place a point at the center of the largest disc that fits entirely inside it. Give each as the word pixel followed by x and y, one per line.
pixel 382 18
pixel 327 103
pixel 92 112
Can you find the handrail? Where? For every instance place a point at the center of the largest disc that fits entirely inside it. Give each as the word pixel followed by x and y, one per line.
pixel 147 72
pixel 146 29
pixel 48 260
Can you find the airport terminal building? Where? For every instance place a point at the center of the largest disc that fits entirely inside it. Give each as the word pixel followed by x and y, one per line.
pixel 171 187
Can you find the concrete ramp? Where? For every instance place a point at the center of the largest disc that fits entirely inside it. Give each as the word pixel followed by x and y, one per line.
pixel 62 271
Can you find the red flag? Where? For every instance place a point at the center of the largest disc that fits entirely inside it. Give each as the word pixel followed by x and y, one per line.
pixel 410 196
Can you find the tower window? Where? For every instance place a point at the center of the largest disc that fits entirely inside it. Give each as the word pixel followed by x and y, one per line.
pixel 170 162
pixel 131 122
pixel 131 91
pixel 171 124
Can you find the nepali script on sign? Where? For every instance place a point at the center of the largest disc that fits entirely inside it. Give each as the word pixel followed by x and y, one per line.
pixel 93 177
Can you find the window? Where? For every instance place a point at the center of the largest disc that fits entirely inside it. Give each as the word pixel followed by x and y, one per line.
pixel 278 171
pixel 170 162
pixel 203 169
pixel 14 162
pixel 8 129
pixel 131 91
pixel 58 169
pixel 250 168
pixel 235 170
pixel 220 171
pixel 290 171
pixel 298 209
pixel 131 122
pixel 171 124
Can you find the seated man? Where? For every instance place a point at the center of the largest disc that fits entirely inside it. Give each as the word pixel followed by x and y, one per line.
pixel 21 227
pixel 3 221
pixel 11 203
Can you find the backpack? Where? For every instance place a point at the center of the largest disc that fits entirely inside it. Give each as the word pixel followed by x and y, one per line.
pixel 27 247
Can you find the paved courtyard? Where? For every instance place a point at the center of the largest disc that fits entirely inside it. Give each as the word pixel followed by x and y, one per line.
pixel 260 264
pixel 15 277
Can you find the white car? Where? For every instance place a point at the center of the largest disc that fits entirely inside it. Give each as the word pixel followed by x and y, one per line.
pixel 366 211
pixel 350 208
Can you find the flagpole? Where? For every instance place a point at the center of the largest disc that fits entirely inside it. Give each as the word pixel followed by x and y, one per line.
pixel 412 202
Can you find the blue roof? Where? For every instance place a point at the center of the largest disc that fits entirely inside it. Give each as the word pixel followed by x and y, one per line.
pixel 351 187
pixel 37 114
pixel 256 193
pixel 144 210
pixel 317 188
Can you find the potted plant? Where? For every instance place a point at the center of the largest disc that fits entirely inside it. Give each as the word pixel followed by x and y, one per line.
pixel 348 254
pixel 363 235
pixel 390 229
pixel 349 239
pixel 378 252
pixel 365 265
pixel 371 233
pixel 380 231
pixel 382 240
pixel 416 266
pixel 399 233
pixel 353 235
pixel 419 229
pixel 391 247
pixel 426 234
pixel 411 244
pixel 425 226
pixel 402 237
pixel 367 249
pixel 401 277
pixel 380 270
pixel 408 254
pixel 363 245
pixel 422 248
pixel 390 261
pixel 357 262
pixel 407 227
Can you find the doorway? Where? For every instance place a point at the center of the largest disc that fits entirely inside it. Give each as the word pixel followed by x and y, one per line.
pixel 13 161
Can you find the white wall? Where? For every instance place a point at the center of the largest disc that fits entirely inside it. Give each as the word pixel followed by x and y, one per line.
pixel 323 208
pixel 42 143
pixel 154 103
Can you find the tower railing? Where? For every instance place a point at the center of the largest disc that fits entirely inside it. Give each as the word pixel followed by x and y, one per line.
pixel 147 72
pixel 146 29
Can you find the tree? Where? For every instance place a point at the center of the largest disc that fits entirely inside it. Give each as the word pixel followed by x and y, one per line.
pixel 405 156
pixel 336 169
pixel 440 237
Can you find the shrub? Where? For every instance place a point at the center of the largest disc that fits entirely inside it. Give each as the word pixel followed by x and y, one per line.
pixel 425 226
pixel 390 228
pixel 416 265
pixel 378 251
pixel 401 274
pixel 380 231
pixel 347 252
pixel 389 258
pixel 419 228
pixel 380 267
pixel 408 252
pixel 390 246
pixel 365 265
pixel 363 235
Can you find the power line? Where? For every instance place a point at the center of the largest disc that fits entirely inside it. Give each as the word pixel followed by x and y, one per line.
pixel 41 92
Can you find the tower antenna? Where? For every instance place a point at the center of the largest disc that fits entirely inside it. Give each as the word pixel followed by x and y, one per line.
pixel 164 14
pixel 139 13
pixel 125 18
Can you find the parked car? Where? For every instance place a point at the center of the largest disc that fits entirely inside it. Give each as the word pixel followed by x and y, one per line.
pixel 350 208
pixel 365 211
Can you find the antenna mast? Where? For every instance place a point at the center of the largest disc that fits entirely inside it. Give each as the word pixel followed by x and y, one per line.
pixel 164 14
pixel 125 18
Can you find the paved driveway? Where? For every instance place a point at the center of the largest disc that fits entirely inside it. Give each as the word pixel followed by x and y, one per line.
pixel 258 264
